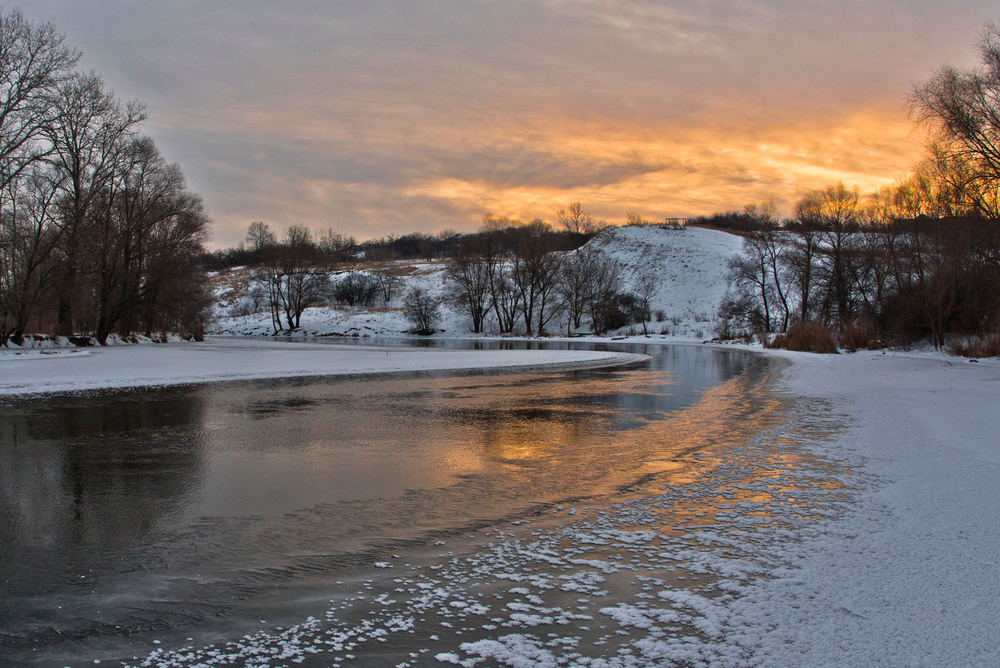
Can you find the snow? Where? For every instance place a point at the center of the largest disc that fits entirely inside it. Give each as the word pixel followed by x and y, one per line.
pixel 690 264
pixel 225 359
pixel 908 576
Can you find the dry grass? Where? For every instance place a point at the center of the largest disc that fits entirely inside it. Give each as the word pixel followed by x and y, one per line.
pixel 982 346
pixel 860 334
pixel 810 337
pixel 231 283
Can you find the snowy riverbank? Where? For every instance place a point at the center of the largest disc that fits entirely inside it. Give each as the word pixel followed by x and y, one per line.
pixel 226 359
pixel 908 575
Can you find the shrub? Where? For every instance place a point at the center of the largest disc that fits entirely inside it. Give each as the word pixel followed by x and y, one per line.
pixel 620 310
pixel 735 317
pixel 422 311
pixel 633 308
pixel 806 336
pixel 356 289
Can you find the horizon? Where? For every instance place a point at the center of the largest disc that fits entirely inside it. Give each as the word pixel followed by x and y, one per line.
pixel 392 119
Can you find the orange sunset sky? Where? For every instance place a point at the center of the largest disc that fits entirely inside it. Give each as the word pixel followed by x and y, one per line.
pixel 379 118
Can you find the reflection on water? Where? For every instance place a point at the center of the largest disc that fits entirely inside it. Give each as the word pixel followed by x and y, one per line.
pixel 121 510
pixel 82 474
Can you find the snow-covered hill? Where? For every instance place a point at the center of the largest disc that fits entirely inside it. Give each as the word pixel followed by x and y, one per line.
pixel 690 263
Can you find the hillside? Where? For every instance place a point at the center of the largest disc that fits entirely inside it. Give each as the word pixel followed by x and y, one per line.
pixel 691 264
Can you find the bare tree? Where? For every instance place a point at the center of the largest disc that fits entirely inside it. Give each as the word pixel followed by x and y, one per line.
pixel 468 278
pixel 27 237
pixel 535 273
pixel 645 285
pixel 141 248
pixel 495 251
pixel 836 211
pixel 635 218
pixel 290 278
pixel 175 294
pixel 267 276
pixel 260 236
pixel 89 132
pixel 763 215
pixel 119 228
pixel 801 261
pixel 576 220
pixel 603 289
pixel 963 107
pixel 304 282
pixel 574 284
pixel 335 245
pixel 388 279
pixel 750 282
pixel 758 278
pixel 880 246
pixel 34 62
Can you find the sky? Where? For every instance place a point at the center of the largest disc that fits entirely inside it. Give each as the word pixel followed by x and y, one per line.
pixel 384 118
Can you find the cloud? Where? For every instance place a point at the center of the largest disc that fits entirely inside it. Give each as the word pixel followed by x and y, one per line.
pixel 389 117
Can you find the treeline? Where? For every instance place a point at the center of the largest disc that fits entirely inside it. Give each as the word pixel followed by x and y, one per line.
pixel 98 233
pixel 292 273
pixel 575 226
pixel 918 260
pixel 520 280
pixel 866 272
pixel 331 246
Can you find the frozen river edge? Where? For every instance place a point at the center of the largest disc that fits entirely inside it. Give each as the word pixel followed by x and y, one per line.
pixel 221 359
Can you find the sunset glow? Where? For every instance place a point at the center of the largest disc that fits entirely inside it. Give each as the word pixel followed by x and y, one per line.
pixel 400 117
pixel 691 172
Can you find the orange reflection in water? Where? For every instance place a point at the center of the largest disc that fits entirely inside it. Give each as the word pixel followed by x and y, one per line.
pixel 738 448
